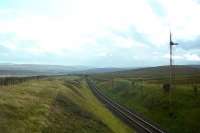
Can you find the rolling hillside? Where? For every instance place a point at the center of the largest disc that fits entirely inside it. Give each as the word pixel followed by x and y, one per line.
pixel 55 105
pixel 37 69
pixel 160 73
pixel 142 90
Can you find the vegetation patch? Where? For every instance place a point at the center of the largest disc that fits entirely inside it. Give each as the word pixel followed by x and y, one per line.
pixel 181 115
pixel 66 116
pixel 55 105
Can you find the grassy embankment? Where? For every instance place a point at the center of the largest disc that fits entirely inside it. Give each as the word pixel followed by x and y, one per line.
pixel 55 105
pixel 144 94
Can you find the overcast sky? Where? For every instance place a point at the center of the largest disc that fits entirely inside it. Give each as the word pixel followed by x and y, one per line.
pixel 103 33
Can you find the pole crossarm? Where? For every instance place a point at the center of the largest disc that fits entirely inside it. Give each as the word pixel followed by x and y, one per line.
pixel 171 42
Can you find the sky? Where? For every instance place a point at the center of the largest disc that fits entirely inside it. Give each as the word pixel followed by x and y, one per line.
pixel 100 33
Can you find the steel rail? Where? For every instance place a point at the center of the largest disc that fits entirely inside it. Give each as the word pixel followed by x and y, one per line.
pixel 128 116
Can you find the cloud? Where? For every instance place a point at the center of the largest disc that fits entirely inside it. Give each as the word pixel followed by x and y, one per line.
pixel 182 16
pixel 191 44
pixel 187 56
pixel 89 31
pixel 192 57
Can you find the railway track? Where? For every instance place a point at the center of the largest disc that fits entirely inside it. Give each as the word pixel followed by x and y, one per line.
pixel 131 118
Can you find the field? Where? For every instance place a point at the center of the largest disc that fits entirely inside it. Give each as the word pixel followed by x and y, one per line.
pixel 142 91
pixel 55 105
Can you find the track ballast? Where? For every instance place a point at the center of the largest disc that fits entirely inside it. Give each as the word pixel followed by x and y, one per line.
pixel 131 118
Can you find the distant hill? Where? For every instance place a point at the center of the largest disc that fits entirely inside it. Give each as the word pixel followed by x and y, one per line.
pixel 37 69
pixel 195 66
pixel 102 70
pixel 155 72
pixel 162 70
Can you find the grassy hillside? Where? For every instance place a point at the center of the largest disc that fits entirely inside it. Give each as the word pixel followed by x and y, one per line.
pixel 184 74
pixel 55 105
pixel 148 97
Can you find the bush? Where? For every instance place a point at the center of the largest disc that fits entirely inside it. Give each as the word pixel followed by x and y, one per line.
pixel 166 87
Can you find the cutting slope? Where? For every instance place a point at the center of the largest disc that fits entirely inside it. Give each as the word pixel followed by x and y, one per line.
pixel 55 105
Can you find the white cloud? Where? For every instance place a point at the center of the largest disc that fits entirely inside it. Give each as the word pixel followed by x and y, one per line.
pixel 75 26
pixel 183 18
pixel 187 57
pixel 192 57
pixel 179 57
pixel 86 18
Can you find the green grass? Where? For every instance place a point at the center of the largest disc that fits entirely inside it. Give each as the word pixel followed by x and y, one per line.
pixel 149 99
pixel 88 101
pixel 55 105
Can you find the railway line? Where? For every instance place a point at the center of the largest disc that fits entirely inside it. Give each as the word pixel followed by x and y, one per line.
pixel 131 118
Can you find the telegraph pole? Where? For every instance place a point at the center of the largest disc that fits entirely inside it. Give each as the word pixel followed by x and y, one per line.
pixel 172 73
pixel 171 44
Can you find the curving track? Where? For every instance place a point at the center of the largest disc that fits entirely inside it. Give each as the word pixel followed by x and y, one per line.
pixel 134 120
